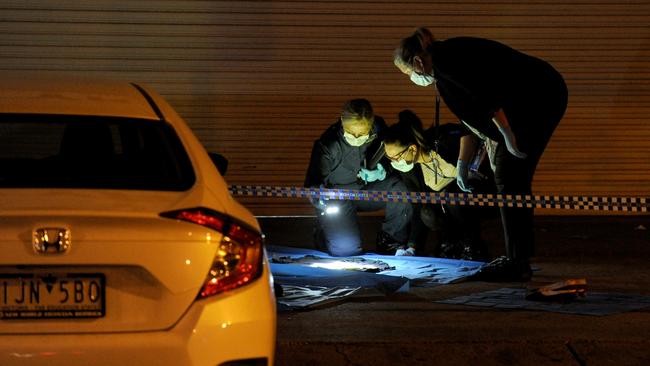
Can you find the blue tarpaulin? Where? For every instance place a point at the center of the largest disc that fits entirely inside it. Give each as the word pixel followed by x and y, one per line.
pixel 309 277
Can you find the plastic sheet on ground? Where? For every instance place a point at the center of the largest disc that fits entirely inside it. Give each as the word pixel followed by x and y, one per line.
pixel 594 303
pixel 310 277
pixel 306 296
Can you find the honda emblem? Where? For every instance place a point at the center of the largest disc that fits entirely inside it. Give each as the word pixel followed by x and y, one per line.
pixel 51 240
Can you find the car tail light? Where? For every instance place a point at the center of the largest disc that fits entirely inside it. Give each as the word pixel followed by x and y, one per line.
pixel 238 260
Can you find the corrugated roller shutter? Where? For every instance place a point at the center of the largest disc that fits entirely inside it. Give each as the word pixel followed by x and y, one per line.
pixel 259 80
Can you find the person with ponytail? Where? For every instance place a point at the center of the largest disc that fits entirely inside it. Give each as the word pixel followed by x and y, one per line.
pixel 510 100
pixel 425 167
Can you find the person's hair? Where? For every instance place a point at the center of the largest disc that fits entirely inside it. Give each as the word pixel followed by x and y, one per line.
pixel 360 109
pixel 419 42
pixel 407 131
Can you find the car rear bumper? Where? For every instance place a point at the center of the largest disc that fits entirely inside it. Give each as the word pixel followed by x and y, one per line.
pixel 232 326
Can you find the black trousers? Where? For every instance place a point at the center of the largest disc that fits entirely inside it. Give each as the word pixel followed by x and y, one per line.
pixel 340 231
pixel 455 223
pixel 533 128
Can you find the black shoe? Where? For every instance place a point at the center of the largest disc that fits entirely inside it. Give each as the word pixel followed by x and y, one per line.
pixel 475 252
pixel 504 269
pixel 450 250
pixel 386 244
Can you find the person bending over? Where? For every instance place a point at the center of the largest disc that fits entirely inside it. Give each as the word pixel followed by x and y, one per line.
pixel 510 100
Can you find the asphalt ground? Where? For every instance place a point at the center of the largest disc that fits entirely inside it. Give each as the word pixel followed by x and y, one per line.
pixel 612 253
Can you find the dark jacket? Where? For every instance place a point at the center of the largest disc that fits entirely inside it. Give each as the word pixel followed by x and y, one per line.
pixel 335 163
pixel 476 77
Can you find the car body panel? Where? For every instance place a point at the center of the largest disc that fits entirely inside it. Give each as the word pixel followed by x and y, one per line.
pixel 154 266
pixel 240 326
pixel 51 93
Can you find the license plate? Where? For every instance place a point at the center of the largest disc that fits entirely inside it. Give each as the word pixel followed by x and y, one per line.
pixel 52 295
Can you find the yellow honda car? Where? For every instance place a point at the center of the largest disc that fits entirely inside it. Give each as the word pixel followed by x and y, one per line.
pixel 120 242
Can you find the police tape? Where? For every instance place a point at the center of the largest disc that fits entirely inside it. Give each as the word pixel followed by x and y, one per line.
pixel 592 203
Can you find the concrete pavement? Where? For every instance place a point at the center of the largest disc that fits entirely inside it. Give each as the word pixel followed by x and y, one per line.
pixel 612 253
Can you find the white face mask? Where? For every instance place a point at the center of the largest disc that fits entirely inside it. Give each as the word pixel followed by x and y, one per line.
pixel 355 141
pixel 422 80
pixel 402 165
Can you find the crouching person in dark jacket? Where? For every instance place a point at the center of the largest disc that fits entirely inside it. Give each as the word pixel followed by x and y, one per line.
pixel 348 156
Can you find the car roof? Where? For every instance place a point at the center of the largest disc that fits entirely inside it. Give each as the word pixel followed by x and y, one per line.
pixel 48 93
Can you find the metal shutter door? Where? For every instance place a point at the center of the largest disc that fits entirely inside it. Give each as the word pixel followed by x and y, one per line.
pixel 259 80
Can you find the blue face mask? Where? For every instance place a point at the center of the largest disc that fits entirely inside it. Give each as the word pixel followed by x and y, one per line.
pixel 402 165
pixel 355 141
pixel 422 80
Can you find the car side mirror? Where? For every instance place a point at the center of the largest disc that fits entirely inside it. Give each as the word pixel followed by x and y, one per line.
pixel 220 162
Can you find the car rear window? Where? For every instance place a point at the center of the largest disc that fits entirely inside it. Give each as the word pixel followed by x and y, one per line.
pixel 54 151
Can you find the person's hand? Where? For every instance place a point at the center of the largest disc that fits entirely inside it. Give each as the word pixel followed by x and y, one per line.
pixel 462 172
pixel 511 142
pixel 372 175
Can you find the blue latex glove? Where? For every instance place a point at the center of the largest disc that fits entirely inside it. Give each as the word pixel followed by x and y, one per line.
pixel 462 171
pixel 372 175
pixel 511 142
